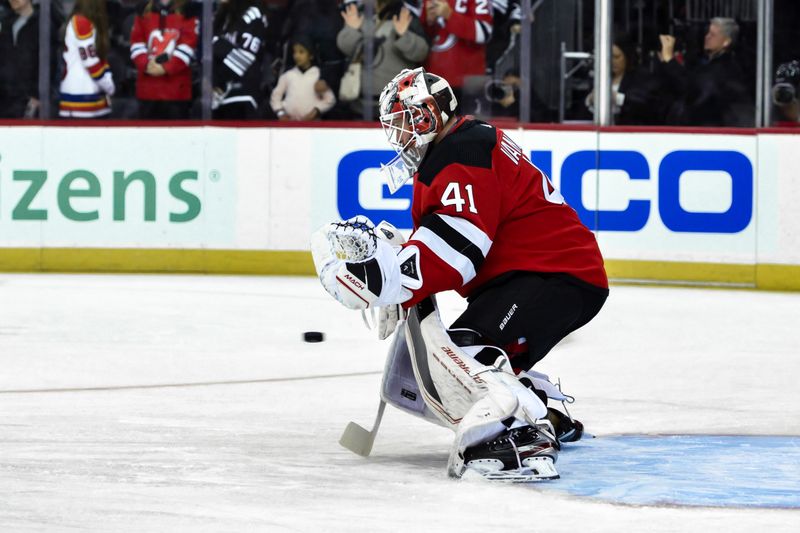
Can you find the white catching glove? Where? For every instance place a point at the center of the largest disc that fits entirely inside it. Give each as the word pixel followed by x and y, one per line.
pixel 106 83
pixel 359 270
pixel 350 260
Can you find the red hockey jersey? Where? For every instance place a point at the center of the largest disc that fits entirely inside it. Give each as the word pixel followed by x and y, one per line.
pixel 171 39
pixel 481 209
pixel 459 42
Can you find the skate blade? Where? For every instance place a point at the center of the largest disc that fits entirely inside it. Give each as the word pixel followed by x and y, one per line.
pixel 535 469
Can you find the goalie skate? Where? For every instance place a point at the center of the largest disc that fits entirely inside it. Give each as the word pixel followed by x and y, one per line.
pixel 518 455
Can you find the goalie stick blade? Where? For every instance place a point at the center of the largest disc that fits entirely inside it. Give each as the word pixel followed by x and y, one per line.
pixel 357 439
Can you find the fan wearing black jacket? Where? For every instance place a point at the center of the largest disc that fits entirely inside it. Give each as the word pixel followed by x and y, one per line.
pixel 240 33
pixel 635 98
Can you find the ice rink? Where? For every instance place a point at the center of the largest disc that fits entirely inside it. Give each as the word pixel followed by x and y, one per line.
pixel 190 403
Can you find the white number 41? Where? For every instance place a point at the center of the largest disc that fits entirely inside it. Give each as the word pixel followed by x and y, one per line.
pixel 452 196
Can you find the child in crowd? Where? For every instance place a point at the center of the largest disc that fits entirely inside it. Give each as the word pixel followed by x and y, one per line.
pixel 300 93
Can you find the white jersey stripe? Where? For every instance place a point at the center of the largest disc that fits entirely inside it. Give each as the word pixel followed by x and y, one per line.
pixel 241 58
pixel 233 58
pixel 470 231
pixel 186 49
pixel 446 253
pixel 182 56
pixel 233 66
pixel 483 31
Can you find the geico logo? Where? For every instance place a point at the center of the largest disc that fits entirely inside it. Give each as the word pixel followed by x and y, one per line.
pixel 86 185
pixel 578 166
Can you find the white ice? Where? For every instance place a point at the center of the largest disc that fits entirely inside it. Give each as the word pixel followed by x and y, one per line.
pixel 190 403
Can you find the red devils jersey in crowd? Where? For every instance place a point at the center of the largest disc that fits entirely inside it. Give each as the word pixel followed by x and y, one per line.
pixel 459 42
pixel 481 209
pixel 170 38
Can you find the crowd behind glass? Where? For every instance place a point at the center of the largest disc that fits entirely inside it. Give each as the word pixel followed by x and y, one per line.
pixel 674 63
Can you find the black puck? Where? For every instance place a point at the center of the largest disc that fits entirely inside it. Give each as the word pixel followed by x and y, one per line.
pixel 313 336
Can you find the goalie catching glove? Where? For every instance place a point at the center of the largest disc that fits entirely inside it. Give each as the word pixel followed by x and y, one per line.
pixel 357 264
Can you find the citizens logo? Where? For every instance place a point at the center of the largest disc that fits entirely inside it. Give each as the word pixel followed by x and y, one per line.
pixel 82 195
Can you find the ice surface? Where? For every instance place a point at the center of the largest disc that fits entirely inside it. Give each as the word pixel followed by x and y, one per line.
pixel 190 403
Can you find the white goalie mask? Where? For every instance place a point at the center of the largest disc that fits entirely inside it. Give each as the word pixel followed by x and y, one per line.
pixel 414 108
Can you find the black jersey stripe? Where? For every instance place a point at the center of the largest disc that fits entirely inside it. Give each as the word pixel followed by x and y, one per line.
pixel 456 240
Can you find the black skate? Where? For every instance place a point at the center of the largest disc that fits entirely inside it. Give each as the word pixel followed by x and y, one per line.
pixel 518 455
pixel 567 428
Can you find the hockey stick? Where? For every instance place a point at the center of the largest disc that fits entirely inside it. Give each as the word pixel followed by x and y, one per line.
pixel 357 439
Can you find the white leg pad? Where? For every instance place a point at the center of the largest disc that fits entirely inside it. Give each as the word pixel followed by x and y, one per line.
pixel 474 400
pixel 399 387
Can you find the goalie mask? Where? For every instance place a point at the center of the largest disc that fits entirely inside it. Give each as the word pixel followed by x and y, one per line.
pixel 414 108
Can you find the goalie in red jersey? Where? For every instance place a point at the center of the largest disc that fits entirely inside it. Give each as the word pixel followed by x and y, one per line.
pixel 489 225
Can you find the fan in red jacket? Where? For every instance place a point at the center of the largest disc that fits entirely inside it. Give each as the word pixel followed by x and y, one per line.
pixel 163 42
pixel 460 30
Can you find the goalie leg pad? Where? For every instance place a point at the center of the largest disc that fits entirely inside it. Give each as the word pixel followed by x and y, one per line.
pixel 399 387
pixel 477 401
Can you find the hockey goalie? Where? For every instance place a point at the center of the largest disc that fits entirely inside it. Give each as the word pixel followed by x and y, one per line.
pixel 491 226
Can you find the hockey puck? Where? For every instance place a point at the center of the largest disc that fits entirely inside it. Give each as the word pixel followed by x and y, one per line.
pixel 313 336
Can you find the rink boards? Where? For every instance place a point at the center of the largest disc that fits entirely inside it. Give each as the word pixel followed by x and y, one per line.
pixel 681 206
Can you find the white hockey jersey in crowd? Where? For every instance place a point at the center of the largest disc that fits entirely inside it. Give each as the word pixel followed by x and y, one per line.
pixel 87 83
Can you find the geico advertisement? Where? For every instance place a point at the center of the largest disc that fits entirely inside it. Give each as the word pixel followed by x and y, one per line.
pixel 647 195
pixel 116 187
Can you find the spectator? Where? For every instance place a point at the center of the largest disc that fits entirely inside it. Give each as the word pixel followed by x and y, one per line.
pixel 399 43
pixel 121 16
pixel 503 97
pixel 460 30
pixel 506 28
pixel 634 92
pixel 785 94
pixel 163 42
pixel 19 61
pixel 714 92
pixel 240 32
pixel 87 84
pixel 300 93
pixel 319 22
